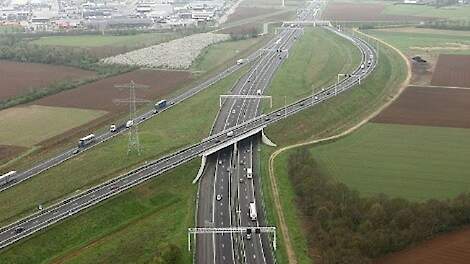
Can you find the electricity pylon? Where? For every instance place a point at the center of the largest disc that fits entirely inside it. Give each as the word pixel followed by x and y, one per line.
pixel 134 143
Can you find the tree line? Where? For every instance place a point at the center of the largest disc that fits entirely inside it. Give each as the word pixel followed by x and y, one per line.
pixel 345 227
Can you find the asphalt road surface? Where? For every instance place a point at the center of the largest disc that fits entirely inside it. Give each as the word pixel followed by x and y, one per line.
pixel 57 212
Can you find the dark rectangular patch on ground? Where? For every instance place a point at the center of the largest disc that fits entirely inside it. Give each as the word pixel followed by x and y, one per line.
pixel 452 70
pixel 427 106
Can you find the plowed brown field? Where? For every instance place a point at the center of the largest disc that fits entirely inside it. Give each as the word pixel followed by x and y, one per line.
pixel 452 70
pixel 100 94
pixel 361 12
pixel 429 107
pixel 452 248
pixel 18 78
pixel 9 151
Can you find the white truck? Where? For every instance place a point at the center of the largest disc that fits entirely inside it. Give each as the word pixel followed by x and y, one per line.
pixel 240 61
pixel 253 214
pixel 7 177
pixel 230 133
pixel 129 123
pixel 84 141
pixel 258 92
pixel 112 128
pixel 249 173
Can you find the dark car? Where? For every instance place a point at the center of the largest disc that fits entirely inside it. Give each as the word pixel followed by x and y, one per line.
pixel 19 229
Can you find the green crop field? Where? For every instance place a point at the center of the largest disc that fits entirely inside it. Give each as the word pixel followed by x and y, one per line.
pixel 29 125
pixel 135 227
pixel 425 41
pixel 325 119
pixel 227 52
pixel 313 63
pixel 105 40
pixel 453 12
pixel 184 124
pixel 412 162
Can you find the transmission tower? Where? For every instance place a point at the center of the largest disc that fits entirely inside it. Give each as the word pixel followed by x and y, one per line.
pixel 134 143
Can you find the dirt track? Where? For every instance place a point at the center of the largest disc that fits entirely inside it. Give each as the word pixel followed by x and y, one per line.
pixel 18 78
pixel 100 94
pixel 451 248
pixel 361 12
pixel 429 107
pixel 452 70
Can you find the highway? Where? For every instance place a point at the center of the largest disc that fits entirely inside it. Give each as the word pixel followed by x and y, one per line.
pixel 57 212
pixel 233 191
pixel 102 137
pixel 218 212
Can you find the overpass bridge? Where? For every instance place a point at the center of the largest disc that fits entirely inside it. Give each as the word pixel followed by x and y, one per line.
pixel 315 23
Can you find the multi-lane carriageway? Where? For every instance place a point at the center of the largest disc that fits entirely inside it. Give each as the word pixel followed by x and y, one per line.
pixel 217 181
pixel 59 211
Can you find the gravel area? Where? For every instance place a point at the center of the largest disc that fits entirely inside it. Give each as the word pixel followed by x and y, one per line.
pixel 175 54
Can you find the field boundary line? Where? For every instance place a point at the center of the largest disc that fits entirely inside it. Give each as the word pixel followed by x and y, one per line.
pixel 438 86
pixel 282 222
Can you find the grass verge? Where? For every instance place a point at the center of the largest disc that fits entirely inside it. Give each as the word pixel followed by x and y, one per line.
pixel 135 227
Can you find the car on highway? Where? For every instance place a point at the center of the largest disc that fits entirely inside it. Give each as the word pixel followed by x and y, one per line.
pixel 230 133
pixel 234 111
pixel 19 229
pixel 279 114
pixel 218 197
pixel 76 151
pixel 220 162
pixel 112 128
pixel 248 234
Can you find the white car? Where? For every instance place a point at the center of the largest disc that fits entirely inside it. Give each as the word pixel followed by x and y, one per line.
pixel 218 197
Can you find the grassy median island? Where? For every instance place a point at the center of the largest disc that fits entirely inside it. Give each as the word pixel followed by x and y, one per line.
pixel 313 63
pixel 329 118
pixel 145 225
pixel 180 126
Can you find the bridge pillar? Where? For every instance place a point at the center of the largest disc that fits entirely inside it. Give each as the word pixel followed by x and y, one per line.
pixel 201 169
pixel 266 140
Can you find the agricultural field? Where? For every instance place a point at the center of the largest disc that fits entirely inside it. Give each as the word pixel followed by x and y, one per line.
pixel 452 70
pixel 7 151
pixel 244 12
pixel 411 162
pixel 91 41
pixel 451 12
pixel 326 119
pixel 429 106
pixel 100 94
pixel 450 248
pixel 366 11
pixel 175 54
pixel 29 125
pixel 20 78
pixel 427 43
pixel 227 52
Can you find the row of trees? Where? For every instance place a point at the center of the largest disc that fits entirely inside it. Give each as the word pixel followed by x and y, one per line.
pixel 454 24
pixel 347 228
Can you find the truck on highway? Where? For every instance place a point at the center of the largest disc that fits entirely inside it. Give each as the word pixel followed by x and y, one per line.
pixel 160 104
pixel 230 133
pixel 129 123
pixel 249 173
pixel 7 177
pixel 240 61
pixel 253 215
pixel 258 92
pixel 112 128
pixel 85 141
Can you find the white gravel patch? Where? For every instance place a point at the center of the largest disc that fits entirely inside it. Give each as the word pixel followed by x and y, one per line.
pixel 175 54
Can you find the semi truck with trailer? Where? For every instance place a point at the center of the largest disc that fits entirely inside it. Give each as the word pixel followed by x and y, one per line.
pixel 160 104
pixel 7 177
pixel 85 141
